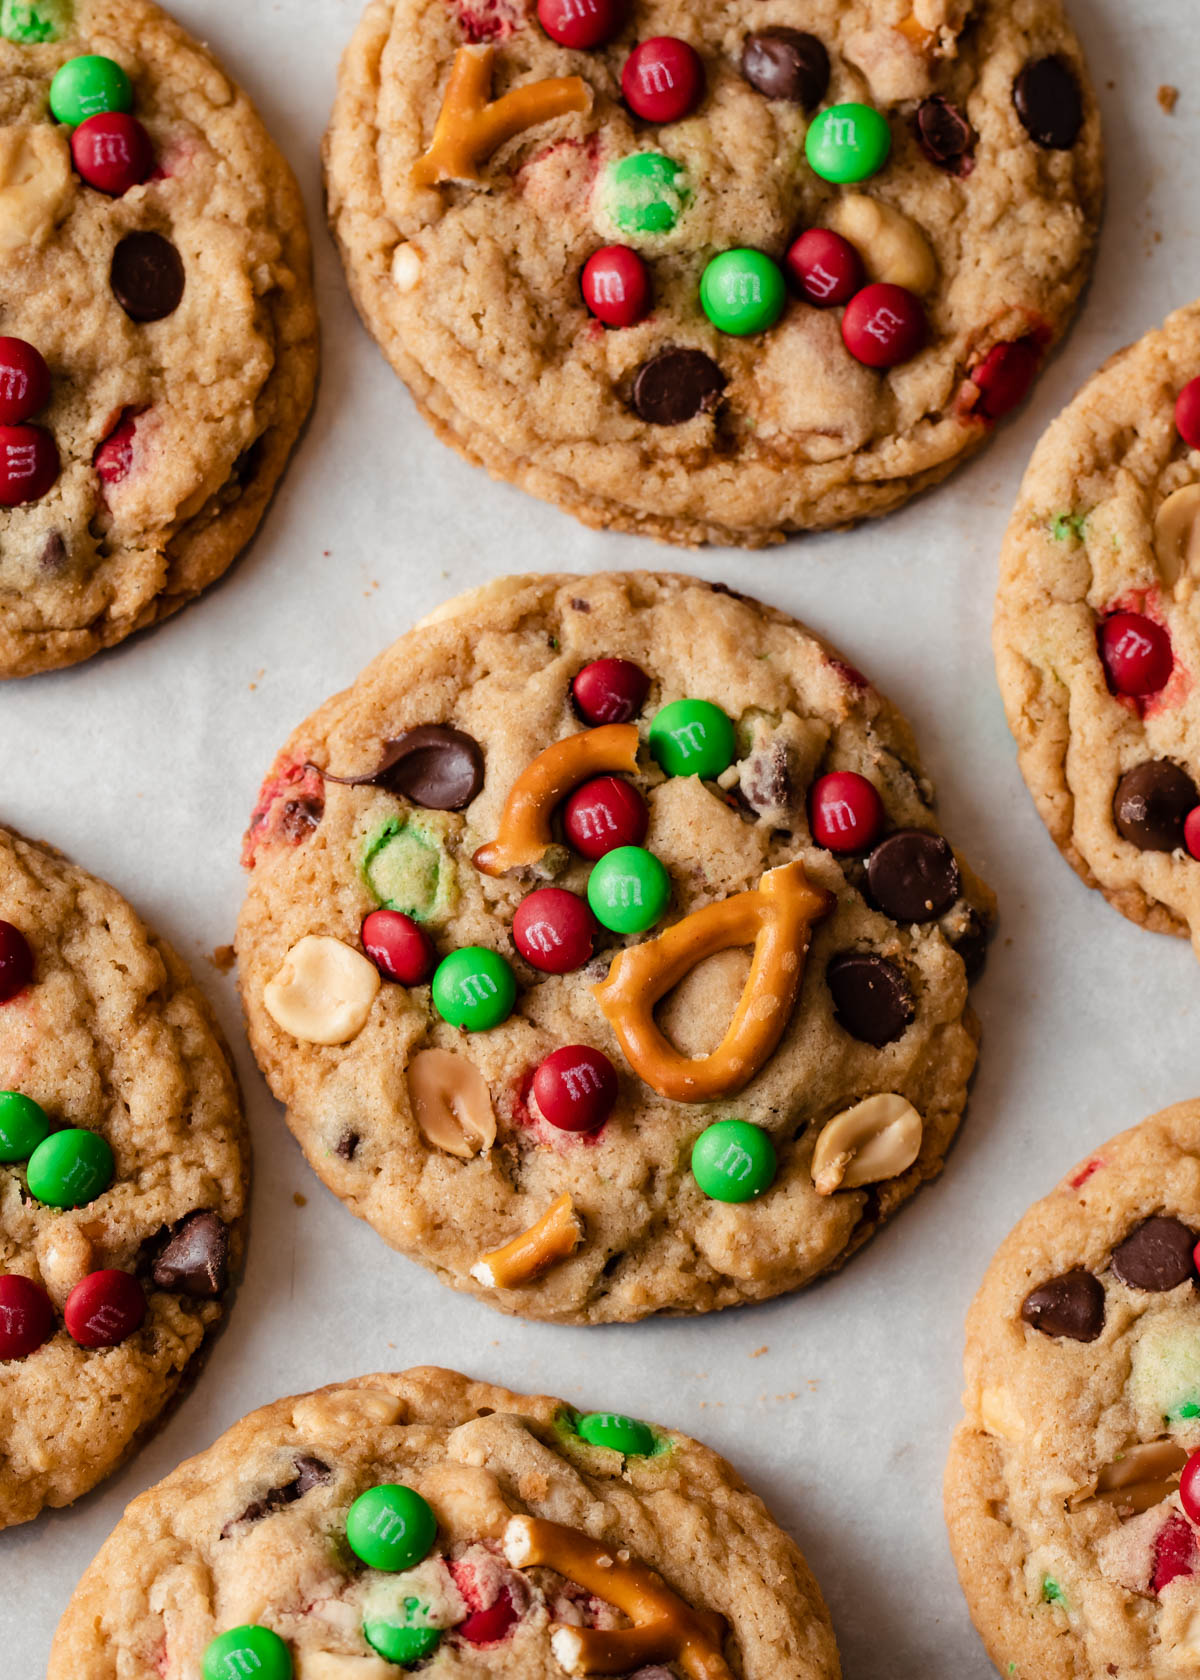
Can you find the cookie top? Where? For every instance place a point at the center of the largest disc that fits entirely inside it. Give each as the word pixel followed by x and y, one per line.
pixel 585 283
pixel 1083 1403
pixel 424 1512
pixel 155 258
pixel 658 1007
pixel 123 1168
pixel 1097 628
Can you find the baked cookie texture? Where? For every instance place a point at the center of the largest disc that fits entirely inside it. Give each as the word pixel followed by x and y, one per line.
pixel 1082 1404
pixel 498 666
pixel 473 290
pixel 1104 543
pixel 172 433
pixel 110 1036
pixel 226 1540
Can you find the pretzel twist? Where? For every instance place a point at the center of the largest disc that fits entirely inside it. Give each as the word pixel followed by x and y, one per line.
pixel 471 125
pixel 525 821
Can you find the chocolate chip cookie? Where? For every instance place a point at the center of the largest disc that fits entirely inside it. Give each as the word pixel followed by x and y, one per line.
pixel 123 1168
pixel 1073 1487
pixel 1098 634
pixel 604 949
pixel 716 273
pixel 358 1531
pixel 161 336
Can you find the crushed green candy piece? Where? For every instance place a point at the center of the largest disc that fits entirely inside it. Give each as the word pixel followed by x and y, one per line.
pixel 647 192
pixel 1068 525
pixel 403 1618
pixel 1189 1409
pixel 407 869
pixel 31 22
pixel 1164 1380
pixel 1052 1593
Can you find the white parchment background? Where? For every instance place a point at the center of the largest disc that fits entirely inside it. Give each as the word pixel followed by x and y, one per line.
pixel 144 764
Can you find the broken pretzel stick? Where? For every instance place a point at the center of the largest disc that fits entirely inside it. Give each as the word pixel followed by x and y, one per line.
pixel 471 125
pixel 544 1244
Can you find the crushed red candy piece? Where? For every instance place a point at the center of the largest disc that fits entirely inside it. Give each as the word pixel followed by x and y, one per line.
pixel 1005 376
pixel 1085 1172
pixel 1175 1552
pixel 113 460
pixel 490 1626
pixel 487 20
pixel 290 805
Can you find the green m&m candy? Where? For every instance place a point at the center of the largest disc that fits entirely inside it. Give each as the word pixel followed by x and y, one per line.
pixel 474 988
pixel 33 21
pixel 87 85
pixel 848 143
pixel 734 1161
pixel 70 1169
pixel 247 1653
pixel 743 292
pixel 647 192
pixel 390 1527
pixel 23 1125
pixel 622 1434
pixel 400 1642
pixel 629 890
pixel 692 738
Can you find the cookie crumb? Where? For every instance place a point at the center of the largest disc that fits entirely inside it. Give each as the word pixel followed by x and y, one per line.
pixel 223 958
pixel 1168 98
pixel 300 1201
pixel 758 1352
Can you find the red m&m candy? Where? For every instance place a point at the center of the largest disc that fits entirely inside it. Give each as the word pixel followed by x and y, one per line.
pixel 113 152
pixel 553 929
pixel 846 812
pixel 1005 376
pixel 16 962
pixel 114 458
pixel 616 286
pixel 105 1308
pixel 26 1317
pixel 581 23
pixel 399 947
pixel 1189 1484
pixel 884 325
pixel 663 79
pixel 575 1088
pixel 604 814
pixel 1187 414
pixel 1136 653
pixel 29 464
pixel 825 268
pixel 24 381
pixel 610 691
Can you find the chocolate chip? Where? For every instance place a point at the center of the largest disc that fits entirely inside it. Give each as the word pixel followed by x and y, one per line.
pixel 785 63
pixel 972 942
pixel 1151 803
pixel 195 1260
pixel 675 386
pixel 147 276
pixel 347 1146
pixel 53 556
pixel 298 817
pixel 913 876
pixel 433 765
pixel 767 784
pixel 311 1473
pixel 245 468
pixel 872 1000
pixel 1156 1256
pixel 1049 103
pixel 578 604
pixel 946 136
pixel 1070 1306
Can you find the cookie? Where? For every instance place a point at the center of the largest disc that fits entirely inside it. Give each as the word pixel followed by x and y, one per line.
pixel 602 945
pixel 123 1169
pixel 161 335
pixel 1071 1493
pixel 1097 634
pixel 357 1531
pixel 716 274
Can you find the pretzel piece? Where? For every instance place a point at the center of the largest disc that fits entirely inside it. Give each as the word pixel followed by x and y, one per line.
pixel 544 1244
pixel 524 835
pixel 471 125
pixel 777 916
pixel 665 1628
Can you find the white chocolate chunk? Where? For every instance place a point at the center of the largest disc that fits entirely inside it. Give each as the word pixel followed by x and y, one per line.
pixel 36 185
pixel 451 1103
pixel 875 1140
pixel 324 991
pixel 893 248
pixel 999 1414
pixel 406 268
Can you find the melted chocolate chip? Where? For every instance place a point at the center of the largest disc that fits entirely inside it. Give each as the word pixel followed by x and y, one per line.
pixel 311 1473
pixel 1156 1256
pixel 972 943
pixel 913 876
pixel 872 1000
pixel 946 136
pixel 53 556
pixel 1151 803
pixel 675 386
pixel 298 817
pixel 785 63
pixel 434 766
pixel 347 1145
pixel 1049 103
pixel 147 276
pixel 195 1260
pixel 1070 1306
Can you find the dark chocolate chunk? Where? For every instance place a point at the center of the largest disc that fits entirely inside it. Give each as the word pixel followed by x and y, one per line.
pixel 913 876
pixel 972 943
pixel 946 136
pixel 433 765
pixel 195 1260
pixel 1070 1306
pixel 311 1473
pixel 785 63
pixel 1156 1256
pixel 1151 803
pixel 675 386
pixel 298 817
pixel 872 1000
pixel 347 1145
pixel 147 276
pixel 1049 104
